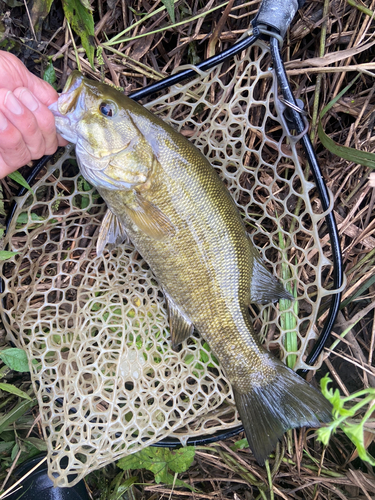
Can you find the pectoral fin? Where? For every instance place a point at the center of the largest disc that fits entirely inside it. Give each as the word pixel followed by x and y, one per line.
pixel 181 327
pixel 149 218
pixel 265 287
pixel 111 232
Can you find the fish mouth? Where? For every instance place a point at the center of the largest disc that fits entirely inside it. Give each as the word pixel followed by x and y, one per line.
pixel 69 98
pixel 55 109
pixel 74 81
pixel 63 124
pixel 68 109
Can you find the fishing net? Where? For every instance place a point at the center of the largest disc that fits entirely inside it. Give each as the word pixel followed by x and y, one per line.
pixel 95 328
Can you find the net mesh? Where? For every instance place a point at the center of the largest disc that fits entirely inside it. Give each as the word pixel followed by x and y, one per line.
pixel 95 328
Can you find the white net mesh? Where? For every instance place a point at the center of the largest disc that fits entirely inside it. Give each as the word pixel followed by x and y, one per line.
pixel 95 329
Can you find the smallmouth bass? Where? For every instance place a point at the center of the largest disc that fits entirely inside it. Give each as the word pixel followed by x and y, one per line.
pixel 166 197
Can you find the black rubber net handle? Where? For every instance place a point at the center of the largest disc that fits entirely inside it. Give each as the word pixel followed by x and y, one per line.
pixel 203 66
pixel 324 197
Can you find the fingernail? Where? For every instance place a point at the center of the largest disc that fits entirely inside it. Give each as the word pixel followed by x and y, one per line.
pixel 3 122
pixel 27 98
pixel 11 102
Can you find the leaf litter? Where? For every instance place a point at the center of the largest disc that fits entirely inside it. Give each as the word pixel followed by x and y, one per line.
pixel 327 46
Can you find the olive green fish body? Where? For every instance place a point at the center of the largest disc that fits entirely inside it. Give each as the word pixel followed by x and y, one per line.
pixel 168 199
pixel 209 248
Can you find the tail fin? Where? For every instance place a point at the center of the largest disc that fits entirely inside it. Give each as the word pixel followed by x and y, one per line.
pixel 286 403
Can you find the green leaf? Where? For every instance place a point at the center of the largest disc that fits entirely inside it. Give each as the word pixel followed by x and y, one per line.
pixel 86 4
pixel 354 431
pixel 15 450
pixel 14 390
pixel 160 461
pixel 119 487
pixel 17 177
pixel 327 393
pixel 350 154
pixel 83 185
pixel 180 460
pixel 359 292
pixel 81 20
pixel 15 413
pixel 16 359
pixel 169 5
pixel 288 320
pixel 336 400
pixel 335 99
pixel 37 443
pixel 240 444
pixel 13 3
pixel 355 434
pixel 5 254
pixel 39 12
pixel 324 434
pixel 6 446
pixel 23 218
pixel 49 75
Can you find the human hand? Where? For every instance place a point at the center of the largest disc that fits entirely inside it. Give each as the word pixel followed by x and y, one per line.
pixel 27 126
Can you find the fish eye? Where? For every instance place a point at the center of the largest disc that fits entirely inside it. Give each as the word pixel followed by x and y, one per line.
pixel 107 109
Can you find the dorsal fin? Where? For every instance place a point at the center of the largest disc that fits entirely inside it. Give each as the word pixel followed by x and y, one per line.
pixel 265 287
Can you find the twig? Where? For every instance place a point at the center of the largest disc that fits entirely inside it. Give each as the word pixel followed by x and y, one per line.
pixel 6 493
pixel 28 15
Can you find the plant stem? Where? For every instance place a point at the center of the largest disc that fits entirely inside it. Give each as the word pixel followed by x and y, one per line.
pixel 318 84
pixel 175 25
pixel 362 8
pixel 269 477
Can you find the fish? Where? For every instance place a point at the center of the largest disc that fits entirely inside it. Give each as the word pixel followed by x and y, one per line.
pixel 165 196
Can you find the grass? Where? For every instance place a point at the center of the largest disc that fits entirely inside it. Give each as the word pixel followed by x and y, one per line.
pixel 289 317
pixel 140 44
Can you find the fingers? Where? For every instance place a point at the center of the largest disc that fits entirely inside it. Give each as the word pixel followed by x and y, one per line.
pixel 27 129
pixel 61 141
pixel 14 74
pixel 5 169
pixel 46 93
pixel 45 120
pixel 20 137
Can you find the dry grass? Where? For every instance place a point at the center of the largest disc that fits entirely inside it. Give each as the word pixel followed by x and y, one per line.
pixel 327 45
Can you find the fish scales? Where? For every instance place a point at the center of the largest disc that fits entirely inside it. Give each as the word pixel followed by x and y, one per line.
pixel 166 197
pixel 209 254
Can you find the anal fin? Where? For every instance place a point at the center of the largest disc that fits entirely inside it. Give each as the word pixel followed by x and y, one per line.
pixel 111 232
pixel 265 287
pixel 180 326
